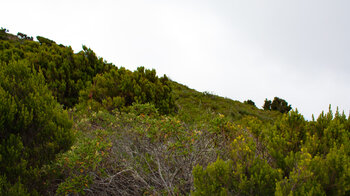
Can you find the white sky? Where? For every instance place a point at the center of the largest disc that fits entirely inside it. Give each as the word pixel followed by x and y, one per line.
pixel 298 50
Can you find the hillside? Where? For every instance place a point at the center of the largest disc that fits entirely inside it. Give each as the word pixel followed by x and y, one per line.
pixel 74 124
pixel 196 105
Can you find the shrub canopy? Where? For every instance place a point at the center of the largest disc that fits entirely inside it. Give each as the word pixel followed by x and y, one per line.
pixel 120 87
pixel 33 126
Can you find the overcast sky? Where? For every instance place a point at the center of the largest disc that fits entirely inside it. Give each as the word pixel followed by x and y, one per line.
pixel 298 50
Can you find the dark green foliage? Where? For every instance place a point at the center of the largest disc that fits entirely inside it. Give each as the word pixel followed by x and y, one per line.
pixel 65 73
pixel 24 36
pixel 280 105
pixel 33 126
pixel 250 102
pixel 43 40
pixel 267 104
pixel 17 189
pixel 277 104
pixel 120 87
pixel 3 34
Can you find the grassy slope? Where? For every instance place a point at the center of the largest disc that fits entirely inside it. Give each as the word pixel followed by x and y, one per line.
pixel 194 106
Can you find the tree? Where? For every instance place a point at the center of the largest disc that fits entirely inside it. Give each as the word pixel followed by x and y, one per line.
pixel 250 102
pixel 267 104
pixel 277 104
pixel 280 105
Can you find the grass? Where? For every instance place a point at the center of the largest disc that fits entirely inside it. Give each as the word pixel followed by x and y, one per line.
pixel 195 106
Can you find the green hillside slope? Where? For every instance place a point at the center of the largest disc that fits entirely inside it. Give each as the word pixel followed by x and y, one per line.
pixel 194 105
pixel 74 124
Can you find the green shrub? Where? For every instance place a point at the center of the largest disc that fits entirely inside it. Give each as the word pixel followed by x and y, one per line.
pixel 216 179
pixel 244 173
pixel 3 34
pixel 120 88
pixel 314 156
pixel 8 189
pixel 250 102
pixel 79 166
pixel 301 180
pixel 286 138
pixel 143 109
pixel 65 73
pixel 277 104
pixel 33 126
pixel 44 40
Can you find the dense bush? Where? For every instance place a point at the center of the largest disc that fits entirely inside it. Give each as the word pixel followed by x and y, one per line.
pixel 43 40
pixel 250 102
pixel 3 34
pixel 277 104
pixel 290 157
pixel 65 72
pixel 246 172
pixel 120 87
pixel 33 126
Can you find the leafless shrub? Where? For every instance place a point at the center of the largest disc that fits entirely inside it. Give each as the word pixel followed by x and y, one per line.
pixel 139 165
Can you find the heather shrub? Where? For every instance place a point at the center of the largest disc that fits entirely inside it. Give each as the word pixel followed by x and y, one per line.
pixel 33 126
pixel 119 88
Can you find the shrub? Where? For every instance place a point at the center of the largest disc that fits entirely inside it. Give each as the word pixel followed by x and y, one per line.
pixel 267 104
pixel 277 104
pixel 44 40
pixel 250 102
pixel 245 173
pixel 33 126
pixel 285 137
pixel 120 88
pixel 65 73
pixel 3 34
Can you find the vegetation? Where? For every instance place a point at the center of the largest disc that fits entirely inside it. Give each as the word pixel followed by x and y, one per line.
pixel 65 73
pixel 277 104
pixel 34 127
pixel 119 88
pixel 250 102
pixel 73 124
pixel 3 34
